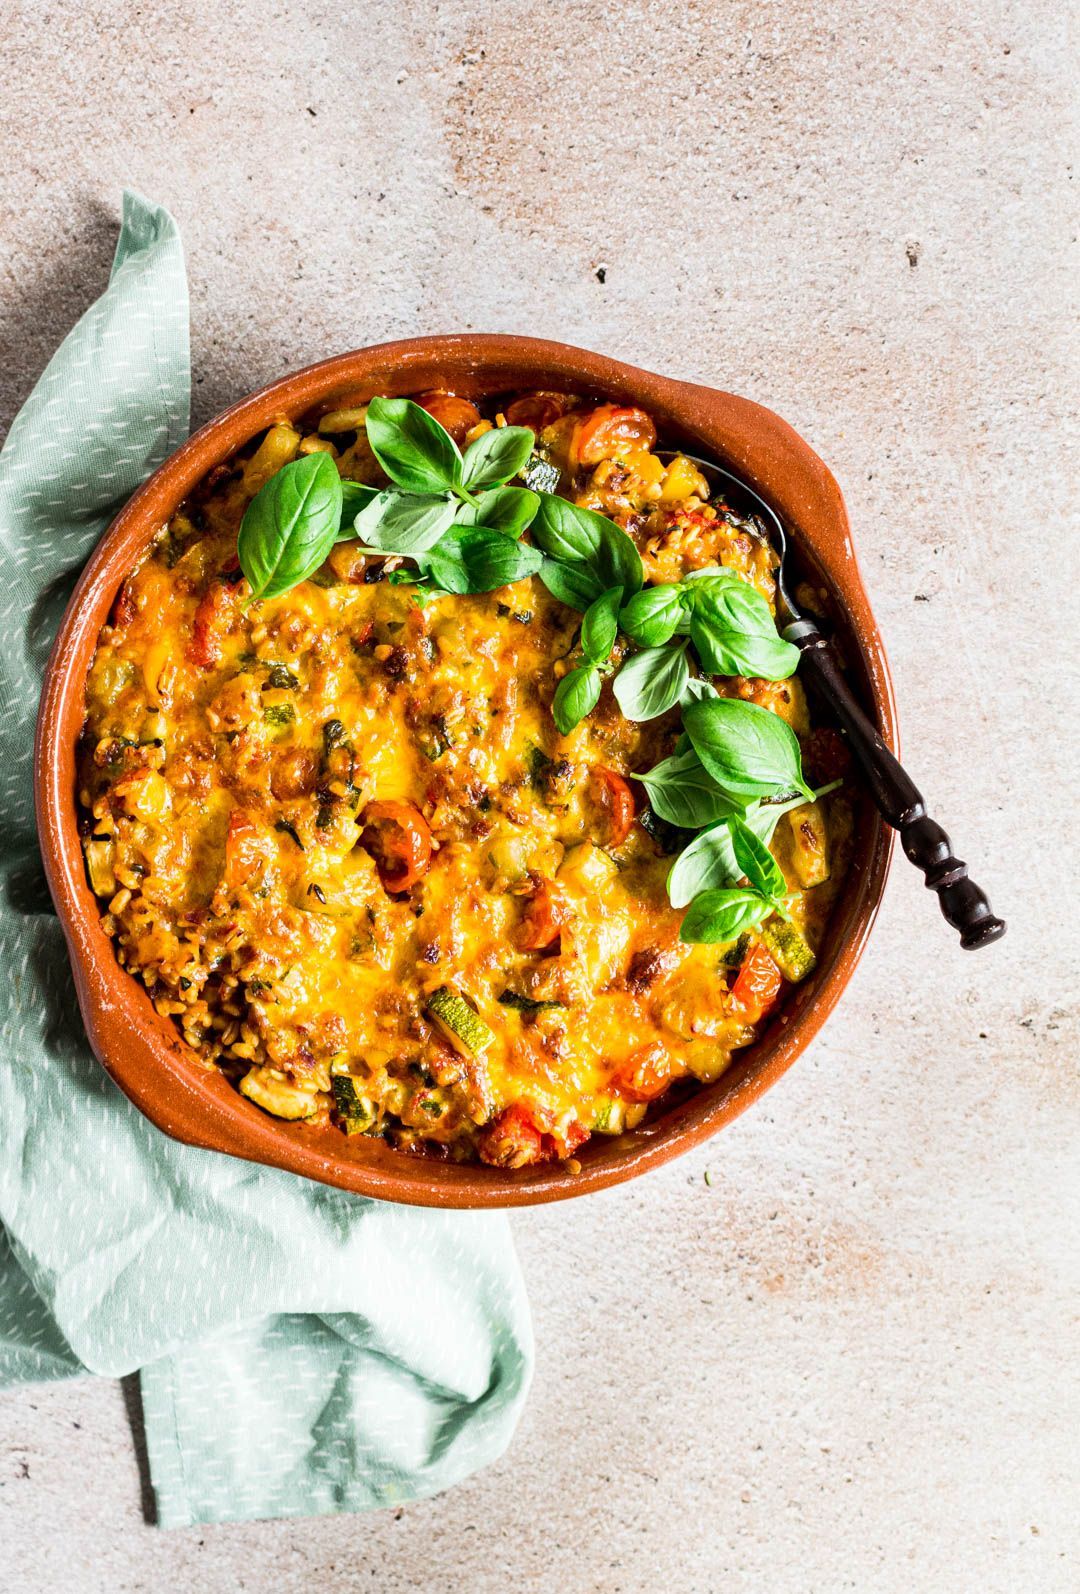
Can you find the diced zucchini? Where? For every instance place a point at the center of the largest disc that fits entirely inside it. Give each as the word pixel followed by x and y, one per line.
pixel 788 949
pixel 268 1090
pixel 461 1024
pixel 540 475
pixel 99 866
pixel 356 1113
pixel 526 1004
pixel 732 956
pixel 809 853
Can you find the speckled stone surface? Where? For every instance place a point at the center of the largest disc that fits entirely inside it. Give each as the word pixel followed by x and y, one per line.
pixel 831 1350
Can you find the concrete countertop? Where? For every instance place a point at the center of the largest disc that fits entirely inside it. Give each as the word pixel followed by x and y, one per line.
pixel 841 1362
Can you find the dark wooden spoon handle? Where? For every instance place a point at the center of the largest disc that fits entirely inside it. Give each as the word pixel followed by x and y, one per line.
pixel 898 798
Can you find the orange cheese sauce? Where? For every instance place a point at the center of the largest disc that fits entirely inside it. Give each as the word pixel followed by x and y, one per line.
pixel 239 760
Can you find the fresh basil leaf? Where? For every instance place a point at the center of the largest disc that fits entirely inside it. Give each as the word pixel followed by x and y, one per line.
pixel 407 523
pixel 576 695
pixel 727 652
pixel 732 603
pixel 573 584
pixel 653 615
pixel 600 626
pixel 718 916
pixel 707 864
pixel 697 688
pixel 749 751
pixel 683 792
pixel 652 682
pixel 709 860
pixel 354 497
pixel 412 448
pixel 477 559
pixel 506 509
pixel 578 536
pixel 756 861
pixel 497 455
pixel 290 525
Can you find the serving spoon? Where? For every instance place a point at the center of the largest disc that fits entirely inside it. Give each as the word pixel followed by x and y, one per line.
pixel 898 799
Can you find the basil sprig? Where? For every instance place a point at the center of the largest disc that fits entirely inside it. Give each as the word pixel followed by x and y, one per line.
pixel 728 621
pixel 578 693
pixel 450 512
pixel 722 913
pixel 709 862
pixel 290 525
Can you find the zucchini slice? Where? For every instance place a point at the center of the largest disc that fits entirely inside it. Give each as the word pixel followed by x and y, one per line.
pixel 540 475
pixel 788 949
pixel 461 1024
pixel 356 1113
pixel 99 865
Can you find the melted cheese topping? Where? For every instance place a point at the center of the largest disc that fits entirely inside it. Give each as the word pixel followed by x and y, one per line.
pixel 232 754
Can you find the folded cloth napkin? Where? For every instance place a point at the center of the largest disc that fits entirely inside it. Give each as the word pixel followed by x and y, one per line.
pixel 300 1350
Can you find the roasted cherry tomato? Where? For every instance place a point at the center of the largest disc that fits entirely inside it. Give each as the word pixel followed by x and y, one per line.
pixel 610 432
pixel 243 848
pixel 397 837
pixel 456 414
pixel 758 984
pixel 617 797
pixel 645 1074
pixel 212 616
pixel 537 410
pixel 541 927
pixel 513 1140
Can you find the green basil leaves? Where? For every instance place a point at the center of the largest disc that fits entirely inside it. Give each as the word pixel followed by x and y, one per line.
pixel 576 695
pixel 748 751
pixel 720 916
pixel 417 454
pixel 476 559
pixel 404 523
pixel 652 682
pixel 597 552
pixel 290 525
pixel 496 456
pixel 682 791
pixel 710 860
pixel 451 513
pixel 721 913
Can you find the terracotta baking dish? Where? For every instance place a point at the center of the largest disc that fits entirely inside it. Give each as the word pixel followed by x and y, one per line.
pixel 143 1051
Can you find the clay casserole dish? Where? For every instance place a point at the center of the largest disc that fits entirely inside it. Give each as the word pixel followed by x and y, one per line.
pixel 143 1052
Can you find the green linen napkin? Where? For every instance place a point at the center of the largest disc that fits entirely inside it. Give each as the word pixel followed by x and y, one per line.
pixel 301 1350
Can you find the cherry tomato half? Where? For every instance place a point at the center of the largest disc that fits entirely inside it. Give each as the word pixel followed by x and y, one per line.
pixel 456 414
pixel 541 926
pixel 513 1140
pixel 397 837
pixel 537 410
pixel 616 796
pixel 758 984
pixel 645 1074
pixel 610 432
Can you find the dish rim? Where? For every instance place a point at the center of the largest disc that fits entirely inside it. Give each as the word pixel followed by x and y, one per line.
pixel 144 1052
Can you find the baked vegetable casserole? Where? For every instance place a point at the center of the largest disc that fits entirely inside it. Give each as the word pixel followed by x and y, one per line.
pixel 444 776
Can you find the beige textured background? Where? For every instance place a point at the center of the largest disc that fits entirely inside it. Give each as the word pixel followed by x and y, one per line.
pixel 844 1363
